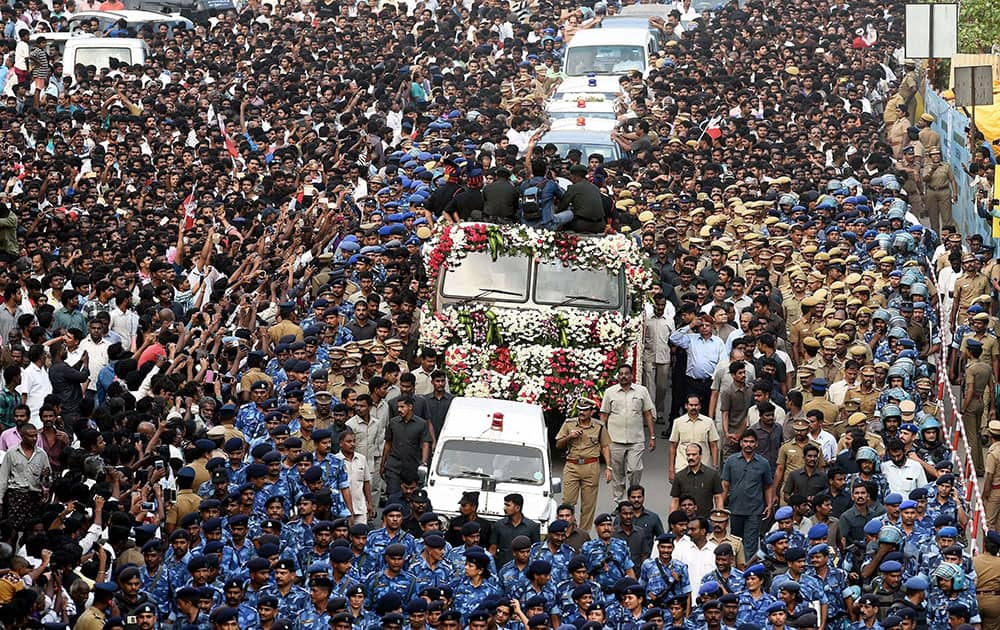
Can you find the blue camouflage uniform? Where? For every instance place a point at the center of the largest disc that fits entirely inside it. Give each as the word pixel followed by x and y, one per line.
pixel 608 561
pixel 456 558
pixel 938 602
pixel 289 604
pixel 340 586
pixel 246 616
pixel 379 539
pixel 157 587
pixel 565 591
pixel 201 622
pixel 468 597
pixel 379 584
pixel 755 610
pixel 733 584
pixel 833 586
pixel 810 588
pixel 335 477
pixel 552 604
pixel 311 618
pixel 425 576
pixel 513 580
pixel 660 582
pixel 559 560
pixel 250 420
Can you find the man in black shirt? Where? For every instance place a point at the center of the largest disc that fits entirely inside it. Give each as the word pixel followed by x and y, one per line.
pixel 584 199
pixel 500 199
pixel 407 444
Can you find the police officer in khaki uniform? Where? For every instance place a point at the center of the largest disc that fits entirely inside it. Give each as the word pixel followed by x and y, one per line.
pixel 791 456
pixel 928 137
pixel 286 326
pixel 187 499
pixel 865 391
pixel 96 615
pixel 976 394
pixel 585 440
pixel 828 408
pixel 991 350
pixel 873 440
pixel 827 364
pixel 987 567
pixel 991 484
pixel 804 327
pixel 721 534
pixel 940 189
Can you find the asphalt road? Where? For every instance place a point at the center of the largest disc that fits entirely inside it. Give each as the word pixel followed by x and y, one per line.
pixel 654 479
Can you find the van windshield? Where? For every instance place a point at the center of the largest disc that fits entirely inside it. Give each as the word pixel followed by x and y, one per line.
pixel 502 462
pixel 479 276
pixel 593 288
pixel 607 151
pixel 607 59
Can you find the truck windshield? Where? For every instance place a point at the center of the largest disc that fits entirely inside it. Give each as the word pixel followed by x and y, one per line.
pixel 607 59
pixel 556 283
pixel 491 460
pixel 478 274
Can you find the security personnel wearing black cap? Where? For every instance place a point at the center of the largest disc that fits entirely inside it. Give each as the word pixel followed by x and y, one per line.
pixel 145 617
pixel 291 598
pixel 187 610
pixel 129 595
pixel 467 508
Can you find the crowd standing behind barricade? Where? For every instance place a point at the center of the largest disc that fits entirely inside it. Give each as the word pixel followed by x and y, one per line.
pixel 214 404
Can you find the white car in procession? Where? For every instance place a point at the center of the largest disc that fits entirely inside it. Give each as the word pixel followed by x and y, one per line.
pixel 495 447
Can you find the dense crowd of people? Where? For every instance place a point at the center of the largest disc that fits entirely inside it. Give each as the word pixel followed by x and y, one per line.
pixel 214 401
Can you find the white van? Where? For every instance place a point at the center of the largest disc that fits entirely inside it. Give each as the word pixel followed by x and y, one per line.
pixel 495 447
pixel 610 51
pixel 99 51
pixel 589 105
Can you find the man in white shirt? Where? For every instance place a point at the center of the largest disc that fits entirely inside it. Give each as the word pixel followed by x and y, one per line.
pixel 625 408
pixel 696 550
pixel 96 347
pixel 656 353
pixel 359 475
pixel 35 385
pixel 124 321
pixel 827 443
pixel 903 474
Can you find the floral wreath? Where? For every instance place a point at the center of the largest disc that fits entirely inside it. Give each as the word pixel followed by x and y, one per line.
pixel 541 355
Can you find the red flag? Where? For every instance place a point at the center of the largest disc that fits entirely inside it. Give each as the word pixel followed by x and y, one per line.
pixel 230 145
pixel 190 206
pixel 712 130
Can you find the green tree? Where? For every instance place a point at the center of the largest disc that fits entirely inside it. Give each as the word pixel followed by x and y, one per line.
pixel 978 26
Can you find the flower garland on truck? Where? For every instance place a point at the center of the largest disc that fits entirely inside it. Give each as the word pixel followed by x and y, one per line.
pixel 538 355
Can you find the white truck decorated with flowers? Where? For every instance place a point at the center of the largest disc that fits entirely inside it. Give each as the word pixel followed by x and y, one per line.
pixel 534 316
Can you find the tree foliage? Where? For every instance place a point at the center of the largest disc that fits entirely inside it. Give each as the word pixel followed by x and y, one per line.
pixel 978 26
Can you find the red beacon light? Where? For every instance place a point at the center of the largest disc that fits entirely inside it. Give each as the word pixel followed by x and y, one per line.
pixel 497 424
pixel 581 122
pixel 581 103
